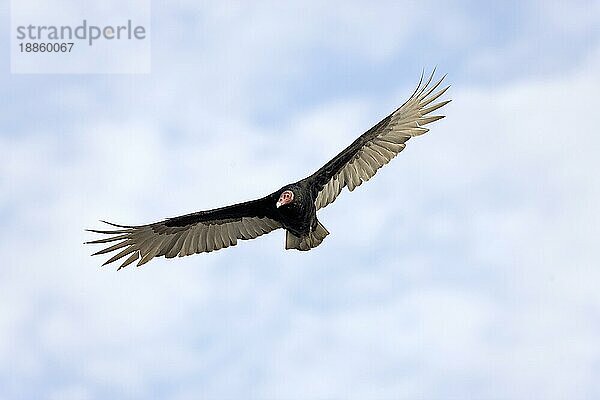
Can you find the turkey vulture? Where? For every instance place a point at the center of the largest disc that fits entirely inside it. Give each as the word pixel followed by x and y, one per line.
pixel 293 207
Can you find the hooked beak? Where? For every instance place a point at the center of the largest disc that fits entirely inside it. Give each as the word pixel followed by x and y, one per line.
pixel 278 204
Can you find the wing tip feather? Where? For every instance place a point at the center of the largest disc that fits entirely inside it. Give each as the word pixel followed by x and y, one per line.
pixel 117 225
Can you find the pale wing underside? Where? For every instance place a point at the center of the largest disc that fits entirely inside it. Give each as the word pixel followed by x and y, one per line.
pixel 143 243
pixel 386 141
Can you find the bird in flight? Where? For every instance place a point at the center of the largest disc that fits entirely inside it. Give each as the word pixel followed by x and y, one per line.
pixel 293 207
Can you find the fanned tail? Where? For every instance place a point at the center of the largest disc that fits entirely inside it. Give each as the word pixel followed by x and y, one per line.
pixel 310 241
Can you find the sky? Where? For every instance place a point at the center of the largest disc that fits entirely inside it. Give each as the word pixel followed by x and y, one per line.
pixel 466 268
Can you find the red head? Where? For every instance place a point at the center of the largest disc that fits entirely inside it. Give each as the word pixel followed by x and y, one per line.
pixel 285 198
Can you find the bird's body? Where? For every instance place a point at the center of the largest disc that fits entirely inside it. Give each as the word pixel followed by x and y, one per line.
pixel 300 216
pixel 293 207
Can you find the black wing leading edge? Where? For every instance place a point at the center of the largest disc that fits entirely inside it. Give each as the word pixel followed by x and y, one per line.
pixel 199 232
pixel 360 161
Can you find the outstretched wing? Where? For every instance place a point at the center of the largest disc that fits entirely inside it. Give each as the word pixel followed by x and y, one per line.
pixel 199 232
pixel 376 147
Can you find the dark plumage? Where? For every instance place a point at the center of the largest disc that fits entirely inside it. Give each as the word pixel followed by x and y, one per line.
pixel 293 207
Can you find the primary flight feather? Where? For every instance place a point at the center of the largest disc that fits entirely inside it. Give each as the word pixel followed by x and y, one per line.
pixel 293 207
